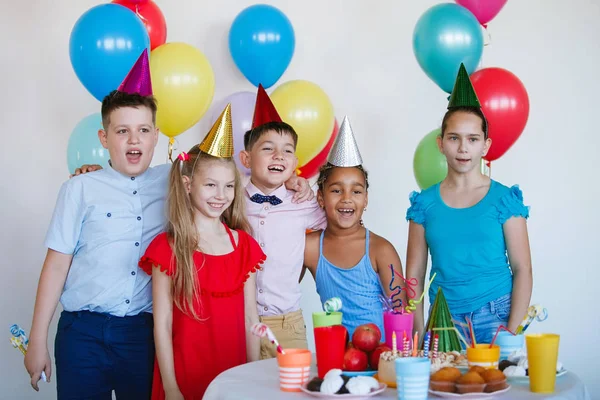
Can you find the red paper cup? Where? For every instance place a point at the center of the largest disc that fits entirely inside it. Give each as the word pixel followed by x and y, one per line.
pixel 330 343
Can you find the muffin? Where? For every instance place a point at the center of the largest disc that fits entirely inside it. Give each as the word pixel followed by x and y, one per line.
pixel 471 382
pixel 477 368
pixel 443 380
pixel 495 380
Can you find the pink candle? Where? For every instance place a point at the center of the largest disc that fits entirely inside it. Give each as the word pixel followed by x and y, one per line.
pixel 436 340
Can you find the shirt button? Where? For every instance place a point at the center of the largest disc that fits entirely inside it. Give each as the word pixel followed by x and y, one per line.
pixel 132 272
pixel 133 178
pixel 108 215
pixel 266 308
pixel 260 290
pixel 137 243
pixel 266 207
pixel 135 192
pixel 262 222
pixel 139 218
pixel 127 301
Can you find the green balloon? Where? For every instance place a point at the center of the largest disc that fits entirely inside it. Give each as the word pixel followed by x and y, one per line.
pixel 429 165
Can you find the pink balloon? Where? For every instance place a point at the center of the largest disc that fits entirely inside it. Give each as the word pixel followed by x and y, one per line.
pixel 484 10
pixel 242 111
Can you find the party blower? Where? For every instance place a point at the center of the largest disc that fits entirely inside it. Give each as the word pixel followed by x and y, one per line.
pixel 20 341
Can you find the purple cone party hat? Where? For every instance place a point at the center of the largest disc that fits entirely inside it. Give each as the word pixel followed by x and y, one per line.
pixel 344 152
pixel 219 140
pixel 138 79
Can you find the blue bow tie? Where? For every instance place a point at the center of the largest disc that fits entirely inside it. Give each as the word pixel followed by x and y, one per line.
pixel 259 198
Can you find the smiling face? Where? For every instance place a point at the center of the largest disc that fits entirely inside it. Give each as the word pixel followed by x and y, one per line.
pixel 212 187
pixel 344 196
pixel 272 160
pixel 130 138
pixel 463 142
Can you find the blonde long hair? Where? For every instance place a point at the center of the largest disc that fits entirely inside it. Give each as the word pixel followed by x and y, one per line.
pixel 181 229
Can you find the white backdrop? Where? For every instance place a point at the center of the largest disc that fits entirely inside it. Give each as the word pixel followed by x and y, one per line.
pixel 360 53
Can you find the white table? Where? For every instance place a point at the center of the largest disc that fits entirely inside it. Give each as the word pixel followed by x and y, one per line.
pixel 260 380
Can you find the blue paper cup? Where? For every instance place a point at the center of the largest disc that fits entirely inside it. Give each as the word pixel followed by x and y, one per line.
pixel 412 377
pixel 509 343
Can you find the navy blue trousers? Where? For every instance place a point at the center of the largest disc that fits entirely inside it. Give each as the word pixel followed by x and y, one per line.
pixel 98 353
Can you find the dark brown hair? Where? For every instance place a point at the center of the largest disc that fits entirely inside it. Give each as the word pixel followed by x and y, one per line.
pixel 116 100
pixel 469 110
pixel 328 168
pixel 252 136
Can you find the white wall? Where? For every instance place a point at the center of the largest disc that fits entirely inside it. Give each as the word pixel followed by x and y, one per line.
pixel 361 55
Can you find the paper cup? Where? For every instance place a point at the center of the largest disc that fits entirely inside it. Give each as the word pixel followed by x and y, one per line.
pixel 412 377
pixel 294 369
pixel 330 346
pixel 398 323
pixel 542 355
pixel 323 319
pixel 483 356
pixel 509 343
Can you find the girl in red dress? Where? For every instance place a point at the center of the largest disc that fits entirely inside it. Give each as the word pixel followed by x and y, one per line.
pixel 204 289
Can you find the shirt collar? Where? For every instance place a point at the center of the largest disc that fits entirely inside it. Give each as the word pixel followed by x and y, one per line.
pixel 280 192
pixel 140 178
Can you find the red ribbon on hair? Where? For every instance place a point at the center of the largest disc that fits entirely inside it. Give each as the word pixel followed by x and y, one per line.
pixel 183 156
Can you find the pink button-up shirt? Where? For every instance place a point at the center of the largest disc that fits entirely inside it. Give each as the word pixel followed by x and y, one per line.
pixel 281 230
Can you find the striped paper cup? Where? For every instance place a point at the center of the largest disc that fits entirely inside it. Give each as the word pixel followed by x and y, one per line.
pixel 412 377
pixel 294 369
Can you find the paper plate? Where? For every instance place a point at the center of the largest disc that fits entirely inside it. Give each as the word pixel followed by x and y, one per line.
pixel 447 395
pixel 359 373
pixel 348 396
pixel 526 378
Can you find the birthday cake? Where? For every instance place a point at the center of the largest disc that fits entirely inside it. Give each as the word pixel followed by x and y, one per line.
pixel 386 371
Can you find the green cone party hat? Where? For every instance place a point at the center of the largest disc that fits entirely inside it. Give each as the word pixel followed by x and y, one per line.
pixel 440 317
pixel 463 94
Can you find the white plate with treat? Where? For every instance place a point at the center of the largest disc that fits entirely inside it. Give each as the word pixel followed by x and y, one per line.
pixel 348 396
pixel 481 395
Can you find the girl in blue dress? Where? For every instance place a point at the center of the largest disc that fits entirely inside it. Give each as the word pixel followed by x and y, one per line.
pixel 474 228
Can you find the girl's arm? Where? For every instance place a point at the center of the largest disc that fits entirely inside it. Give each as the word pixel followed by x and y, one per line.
pixel 387 255
pixel 519 256
pixel 251 317
pixel 52 281
pixel 416 267
pixel 162 298
pixel 311 254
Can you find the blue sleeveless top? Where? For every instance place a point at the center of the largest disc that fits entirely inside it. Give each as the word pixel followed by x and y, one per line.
pixel 358 287
pixel 467 246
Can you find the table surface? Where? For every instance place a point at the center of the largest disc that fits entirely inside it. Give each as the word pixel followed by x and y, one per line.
pixel 260 380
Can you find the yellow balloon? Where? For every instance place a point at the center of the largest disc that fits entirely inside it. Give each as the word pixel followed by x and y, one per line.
pixel 306 107
pixel 183 83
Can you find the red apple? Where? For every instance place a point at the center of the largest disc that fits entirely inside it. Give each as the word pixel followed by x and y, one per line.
pixel 374 356
pixel 355 360
pixel 366 337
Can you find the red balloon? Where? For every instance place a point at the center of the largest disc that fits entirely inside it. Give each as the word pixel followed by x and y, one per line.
pixel 311 168
pixel 151 16
pixel 505 103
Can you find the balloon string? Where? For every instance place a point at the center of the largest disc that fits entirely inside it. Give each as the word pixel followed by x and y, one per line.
pixel 171 141
pixel 137 11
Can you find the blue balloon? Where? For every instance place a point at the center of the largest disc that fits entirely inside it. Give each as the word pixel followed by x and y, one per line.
pixel 261 42
pixel 445 36
pixel 84 146
pixel 105 43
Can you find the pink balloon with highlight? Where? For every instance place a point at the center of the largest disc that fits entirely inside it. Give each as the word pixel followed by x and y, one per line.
pixel 484 10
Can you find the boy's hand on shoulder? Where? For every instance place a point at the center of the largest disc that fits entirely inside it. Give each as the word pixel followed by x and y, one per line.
pixel 85 168
pixel 302 189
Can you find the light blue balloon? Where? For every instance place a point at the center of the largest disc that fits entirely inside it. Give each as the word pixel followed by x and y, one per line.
pixel 105 43
pixel 84 146
pixel 445 36
pixel 261 43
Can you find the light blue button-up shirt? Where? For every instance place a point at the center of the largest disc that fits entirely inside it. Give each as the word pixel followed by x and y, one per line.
pixel 106 220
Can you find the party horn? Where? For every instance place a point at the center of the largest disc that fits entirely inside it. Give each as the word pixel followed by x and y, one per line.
pixel 262 330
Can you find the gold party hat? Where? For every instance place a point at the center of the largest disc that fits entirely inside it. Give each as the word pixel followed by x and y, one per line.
pixel 219 140
pixel 344 152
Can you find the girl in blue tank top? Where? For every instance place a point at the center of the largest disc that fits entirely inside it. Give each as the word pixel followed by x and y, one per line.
pixel 474 228
pixel 346 259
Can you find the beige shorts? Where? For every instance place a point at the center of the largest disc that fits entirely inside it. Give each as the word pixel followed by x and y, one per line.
pixel 290 331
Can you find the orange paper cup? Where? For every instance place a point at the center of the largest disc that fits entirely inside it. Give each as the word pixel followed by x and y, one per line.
pixel 483 356
pixel 294 369
pixel 542 354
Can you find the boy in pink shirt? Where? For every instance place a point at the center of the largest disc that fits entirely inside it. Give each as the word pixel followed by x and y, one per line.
pixel 279 224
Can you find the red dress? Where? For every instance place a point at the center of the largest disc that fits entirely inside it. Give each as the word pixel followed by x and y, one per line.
pixel 204 349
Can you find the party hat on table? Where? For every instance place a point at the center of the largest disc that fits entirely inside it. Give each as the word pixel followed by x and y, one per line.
pixel 344 152
pixel 264 110
pixel 463 94
pixel 440 317
pixel 219 140
pixel 138 79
